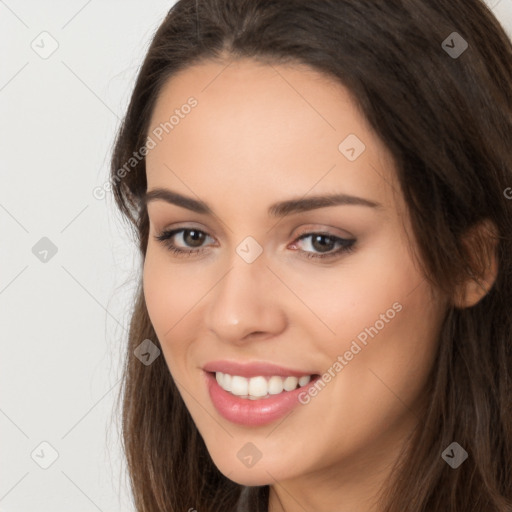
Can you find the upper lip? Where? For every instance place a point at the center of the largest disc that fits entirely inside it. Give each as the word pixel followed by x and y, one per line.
pixel 253 369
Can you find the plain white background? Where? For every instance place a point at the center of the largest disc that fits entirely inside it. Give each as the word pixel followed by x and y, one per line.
pixel 65 300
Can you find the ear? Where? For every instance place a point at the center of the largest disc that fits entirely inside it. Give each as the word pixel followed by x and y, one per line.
pixel 480 243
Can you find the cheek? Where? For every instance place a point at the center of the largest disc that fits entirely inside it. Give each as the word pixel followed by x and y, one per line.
pixel 367 285
pixel 386 325
pixel 169 290
pixel 157 292
pixel 168 299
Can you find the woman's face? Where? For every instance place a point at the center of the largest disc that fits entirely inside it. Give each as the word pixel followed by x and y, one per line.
pixel 362 319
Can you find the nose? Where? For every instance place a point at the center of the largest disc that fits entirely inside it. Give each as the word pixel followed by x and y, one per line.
pixel 244 305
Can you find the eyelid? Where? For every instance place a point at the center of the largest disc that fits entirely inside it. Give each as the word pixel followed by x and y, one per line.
pixel 308 229
pixel 324 229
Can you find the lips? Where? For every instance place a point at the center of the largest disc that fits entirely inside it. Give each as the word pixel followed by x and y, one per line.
pixel 255 369
pixel 260 411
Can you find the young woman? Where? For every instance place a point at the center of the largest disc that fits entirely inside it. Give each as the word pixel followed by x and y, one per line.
pixel 321 194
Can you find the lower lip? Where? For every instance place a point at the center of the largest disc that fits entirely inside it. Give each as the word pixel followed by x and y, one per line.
pixel 245 411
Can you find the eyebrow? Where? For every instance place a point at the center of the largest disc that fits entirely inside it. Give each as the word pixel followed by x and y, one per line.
pixel 280 209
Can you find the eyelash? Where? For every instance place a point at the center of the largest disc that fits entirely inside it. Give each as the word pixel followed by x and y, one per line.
pixel 347 245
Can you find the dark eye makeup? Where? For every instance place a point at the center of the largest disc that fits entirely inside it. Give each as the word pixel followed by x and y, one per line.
pixel 319 241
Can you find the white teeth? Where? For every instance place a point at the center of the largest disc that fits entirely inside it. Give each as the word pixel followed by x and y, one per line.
pixel 239 385
pixel 304 380
pixel 290 383
pixel 259 387
pixel 226 384
pixel 275 385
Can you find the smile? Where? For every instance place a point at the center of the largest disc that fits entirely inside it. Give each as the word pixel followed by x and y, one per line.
pixel 260 387
pixel 255 400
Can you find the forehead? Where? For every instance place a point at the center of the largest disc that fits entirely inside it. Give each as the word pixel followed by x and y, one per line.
pixel 258 130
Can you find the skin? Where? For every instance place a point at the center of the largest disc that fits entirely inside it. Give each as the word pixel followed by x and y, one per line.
pixel 262 134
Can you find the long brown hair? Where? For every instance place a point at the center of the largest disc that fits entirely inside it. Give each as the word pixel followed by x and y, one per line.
pixel 447 120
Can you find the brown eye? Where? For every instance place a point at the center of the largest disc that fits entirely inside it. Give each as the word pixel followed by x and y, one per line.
pixel 190 238
pixel 193 237
pixel 323 245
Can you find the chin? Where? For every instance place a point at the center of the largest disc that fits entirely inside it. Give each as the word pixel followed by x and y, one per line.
pixel 249 478
pixel 260 473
